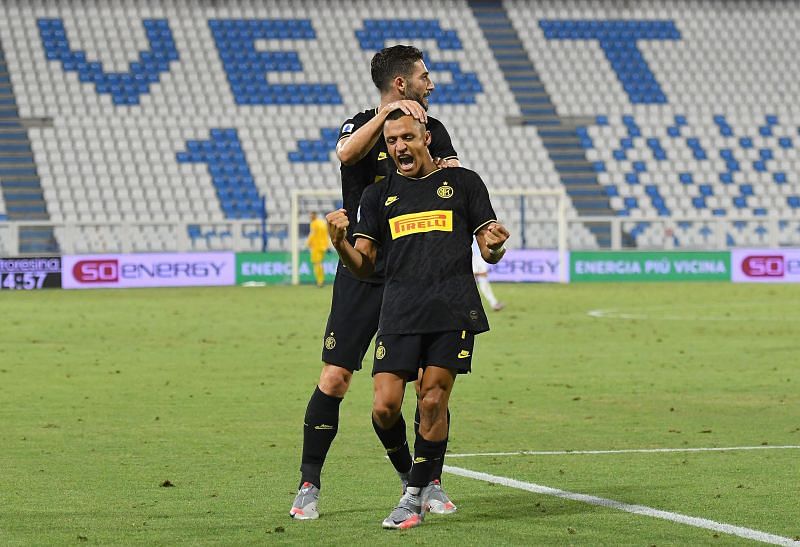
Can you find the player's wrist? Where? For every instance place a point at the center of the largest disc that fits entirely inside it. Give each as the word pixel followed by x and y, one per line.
pixel 495 255
pixel 386 110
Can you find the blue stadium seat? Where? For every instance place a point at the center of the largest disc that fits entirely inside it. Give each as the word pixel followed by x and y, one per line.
pixel 230 173
pixel 124 88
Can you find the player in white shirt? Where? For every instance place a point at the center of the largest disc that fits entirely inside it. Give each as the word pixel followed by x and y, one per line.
pixel 481 271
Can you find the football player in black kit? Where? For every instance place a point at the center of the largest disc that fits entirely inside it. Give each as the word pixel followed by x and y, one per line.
pixel 402 78
pixel 423 218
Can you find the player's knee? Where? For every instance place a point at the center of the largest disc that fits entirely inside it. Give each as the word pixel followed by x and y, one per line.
pixel 335 381
pixel 386 411
pixel 432 402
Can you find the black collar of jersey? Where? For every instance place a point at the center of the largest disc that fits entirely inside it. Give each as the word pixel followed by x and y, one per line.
pixel 418 178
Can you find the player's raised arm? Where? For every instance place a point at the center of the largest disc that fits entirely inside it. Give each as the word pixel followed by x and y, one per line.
pixel 350 149
pixel 491 239
pixel 359 259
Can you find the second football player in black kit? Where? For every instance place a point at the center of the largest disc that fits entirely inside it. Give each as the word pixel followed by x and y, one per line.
pixel 400 74
pixel 424 219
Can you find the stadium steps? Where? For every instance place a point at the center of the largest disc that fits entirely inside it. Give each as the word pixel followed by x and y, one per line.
pixel 559 135
pixel 19 179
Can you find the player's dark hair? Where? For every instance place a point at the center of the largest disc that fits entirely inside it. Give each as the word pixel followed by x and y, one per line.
pixel 397 114
pixel 392 62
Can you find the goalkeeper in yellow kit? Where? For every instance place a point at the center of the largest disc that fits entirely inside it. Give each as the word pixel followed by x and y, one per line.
pixel 317 243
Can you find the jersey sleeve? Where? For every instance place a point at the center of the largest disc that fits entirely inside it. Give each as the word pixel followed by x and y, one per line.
pixel 479 208
pixel 441 144
pixel 368 223
pixel 350 125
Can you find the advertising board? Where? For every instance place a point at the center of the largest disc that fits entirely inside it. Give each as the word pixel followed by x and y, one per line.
pixel 649 266
pixel 526 265
pixel 31 273
pixel 765 265
pixel 148 270
pixel 274 268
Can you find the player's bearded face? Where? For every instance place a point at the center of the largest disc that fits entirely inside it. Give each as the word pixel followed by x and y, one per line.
pixel 407 142
pixel 419 85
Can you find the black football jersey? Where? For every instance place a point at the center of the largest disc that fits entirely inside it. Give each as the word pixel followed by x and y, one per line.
pixel 426 228
pixel 376 165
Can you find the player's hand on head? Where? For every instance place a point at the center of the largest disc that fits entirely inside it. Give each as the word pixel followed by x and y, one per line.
pixel 443 163
pixel 337 225
pixel 412 108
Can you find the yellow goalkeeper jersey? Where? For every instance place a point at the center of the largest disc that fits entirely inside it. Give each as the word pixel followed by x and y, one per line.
pixel 318 235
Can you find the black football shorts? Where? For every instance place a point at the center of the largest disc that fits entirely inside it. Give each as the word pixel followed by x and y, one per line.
pixel 407 353
pixel 352 322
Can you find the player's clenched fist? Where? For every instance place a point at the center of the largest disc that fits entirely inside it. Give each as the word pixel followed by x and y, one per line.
pixel 337 226
pixel 495 235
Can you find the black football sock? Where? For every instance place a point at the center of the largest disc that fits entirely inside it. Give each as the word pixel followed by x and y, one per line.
pixel 319 429
pixel 426 455
pixel 395 443
pixel 437 472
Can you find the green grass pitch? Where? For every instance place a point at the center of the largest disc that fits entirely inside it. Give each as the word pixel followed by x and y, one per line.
pixel 106 395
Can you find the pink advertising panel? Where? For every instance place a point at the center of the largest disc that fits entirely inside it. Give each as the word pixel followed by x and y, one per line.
pixel 148 270
pixel 765 265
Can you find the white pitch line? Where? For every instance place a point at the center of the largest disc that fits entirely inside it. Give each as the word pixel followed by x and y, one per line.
pixel 655 315
pixel 622 451
pixel 747 533
pixel 614 314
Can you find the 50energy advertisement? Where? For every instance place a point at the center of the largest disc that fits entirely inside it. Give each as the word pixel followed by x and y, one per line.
pixel 148 270
pixel 766 265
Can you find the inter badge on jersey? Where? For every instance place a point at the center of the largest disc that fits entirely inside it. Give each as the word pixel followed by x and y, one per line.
pixel 445 191
pixel 330 342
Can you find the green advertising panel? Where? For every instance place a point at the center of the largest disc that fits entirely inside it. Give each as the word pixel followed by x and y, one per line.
pixel 650 266
pixel 276 267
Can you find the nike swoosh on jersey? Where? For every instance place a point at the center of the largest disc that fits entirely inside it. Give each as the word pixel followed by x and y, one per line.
pixel 390 200
pixel 382 156
pixel 463 354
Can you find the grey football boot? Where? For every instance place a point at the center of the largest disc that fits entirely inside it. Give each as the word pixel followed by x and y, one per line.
pixel 305 504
